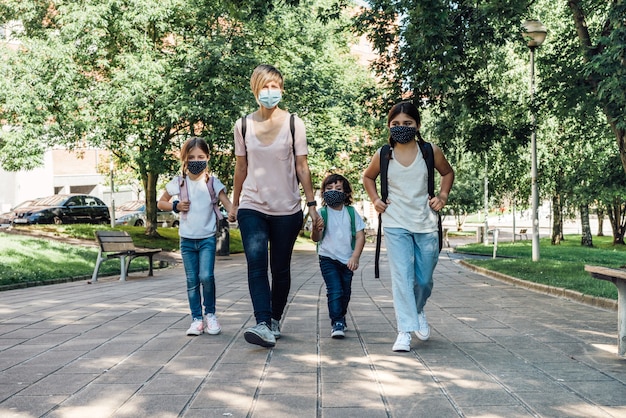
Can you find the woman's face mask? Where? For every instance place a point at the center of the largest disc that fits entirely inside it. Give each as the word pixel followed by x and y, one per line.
pixel 269 98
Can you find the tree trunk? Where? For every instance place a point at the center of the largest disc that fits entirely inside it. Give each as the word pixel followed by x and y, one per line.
pixel 586 240
pixel 615 211
pixel 150 183
pixel 557 225
pixel 600 212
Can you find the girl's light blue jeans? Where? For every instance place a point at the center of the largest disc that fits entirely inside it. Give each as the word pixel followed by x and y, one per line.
pixel 412 260
pixel 199 262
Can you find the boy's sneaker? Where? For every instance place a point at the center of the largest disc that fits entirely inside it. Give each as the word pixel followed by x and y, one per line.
pixel 260 334
pixel 338 330
pixel 403 342
pixel 211 325
pixel 196 328
pixel 275 328
pixel 424 332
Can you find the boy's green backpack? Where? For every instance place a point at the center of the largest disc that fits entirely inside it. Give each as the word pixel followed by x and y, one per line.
pixel 324 214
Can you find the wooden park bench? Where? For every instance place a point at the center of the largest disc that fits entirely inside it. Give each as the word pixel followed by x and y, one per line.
pixel 618 277
pixel 119 244
pixel 524 232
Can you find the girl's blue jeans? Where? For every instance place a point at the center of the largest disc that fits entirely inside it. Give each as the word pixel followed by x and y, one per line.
pixel 412 260
pixel 278 233
pixel 199 262
pixel 338 278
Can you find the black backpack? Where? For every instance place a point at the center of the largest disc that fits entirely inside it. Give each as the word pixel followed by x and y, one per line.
pixel 385 155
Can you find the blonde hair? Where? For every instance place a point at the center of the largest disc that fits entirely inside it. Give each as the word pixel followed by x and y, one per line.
pixel 262 75
pixel 190 144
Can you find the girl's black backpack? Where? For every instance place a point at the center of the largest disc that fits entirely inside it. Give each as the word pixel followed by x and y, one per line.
pixel 385 155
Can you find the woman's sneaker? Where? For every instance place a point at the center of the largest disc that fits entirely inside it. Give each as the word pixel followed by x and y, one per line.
pixel 275 328
pixel 260 334
pixel 403 342
pixel 196 328
pixel 424 332
pixel 212 325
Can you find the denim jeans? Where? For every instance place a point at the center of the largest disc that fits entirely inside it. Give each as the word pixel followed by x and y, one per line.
pixel 199 262
pixel 412 260
pixel 258 232
pixel 338 278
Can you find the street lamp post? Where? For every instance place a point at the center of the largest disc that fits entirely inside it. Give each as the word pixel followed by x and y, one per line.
pixel 534 33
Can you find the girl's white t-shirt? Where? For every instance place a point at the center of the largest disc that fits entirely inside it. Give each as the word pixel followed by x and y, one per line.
pixel 337 241
pixel 271 185
pixel 200 221
pixel 408 194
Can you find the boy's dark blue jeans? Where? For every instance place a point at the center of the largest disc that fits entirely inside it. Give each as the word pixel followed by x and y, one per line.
pixel 338 278
pixel 278 232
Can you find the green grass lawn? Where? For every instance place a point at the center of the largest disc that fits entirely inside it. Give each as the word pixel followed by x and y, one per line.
pixel 558 265
pixel 26 259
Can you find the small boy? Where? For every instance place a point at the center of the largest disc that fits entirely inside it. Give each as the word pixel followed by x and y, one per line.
pixel 340 235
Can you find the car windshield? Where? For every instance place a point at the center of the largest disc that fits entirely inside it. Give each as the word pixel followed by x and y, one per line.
pixel 131 206
pixel 56 200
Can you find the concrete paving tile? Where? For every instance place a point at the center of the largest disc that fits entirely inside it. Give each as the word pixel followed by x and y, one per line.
pixel 29 406
pixel 148 406
pixel 561 404
pixel 354 412
pixel 217 411
pixel 58 384
pixel 95 401
pixel 429 405
pixel 223 395
pixel 280 382
pixel 497 412
pixel 285 406
pixel 172 384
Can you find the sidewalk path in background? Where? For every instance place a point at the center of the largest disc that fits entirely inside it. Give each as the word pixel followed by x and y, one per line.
pixel 115 349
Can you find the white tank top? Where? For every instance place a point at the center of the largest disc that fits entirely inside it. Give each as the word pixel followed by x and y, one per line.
pixel 408 194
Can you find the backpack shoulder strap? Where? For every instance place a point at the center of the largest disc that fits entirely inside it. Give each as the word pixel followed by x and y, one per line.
pixel 352 225
pixel 324 215
pixel 385 156
pixel 214 199
pixel 243 128
pixel 429 157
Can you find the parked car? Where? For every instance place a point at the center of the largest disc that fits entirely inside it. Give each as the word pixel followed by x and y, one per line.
pixel 6 219
pixel 64 209
pixel 133 213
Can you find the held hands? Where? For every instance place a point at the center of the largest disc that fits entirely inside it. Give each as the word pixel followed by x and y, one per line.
pixel 232 214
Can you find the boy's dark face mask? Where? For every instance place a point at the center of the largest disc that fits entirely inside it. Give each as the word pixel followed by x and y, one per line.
pixel 334 198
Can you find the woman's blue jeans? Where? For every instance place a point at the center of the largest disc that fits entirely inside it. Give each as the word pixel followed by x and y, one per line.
pixel 199 262
pixel 338 278
pixel 258 232
pixel 412 260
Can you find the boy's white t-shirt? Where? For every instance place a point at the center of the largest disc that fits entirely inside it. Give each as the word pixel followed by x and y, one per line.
pixel 200 221
pixel 337 241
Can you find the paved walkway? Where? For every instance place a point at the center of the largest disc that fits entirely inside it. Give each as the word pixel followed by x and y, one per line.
pixel 116 349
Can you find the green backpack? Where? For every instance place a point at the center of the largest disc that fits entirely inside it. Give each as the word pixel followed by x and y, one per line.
pixel 324 214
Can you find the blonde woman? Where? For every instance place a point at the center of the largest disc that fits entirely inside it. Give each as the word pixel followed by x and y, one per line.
pixel 271 159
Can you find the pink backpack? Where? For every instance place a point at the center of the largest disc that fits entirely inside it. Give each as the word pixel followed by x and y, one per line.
pixel 184 195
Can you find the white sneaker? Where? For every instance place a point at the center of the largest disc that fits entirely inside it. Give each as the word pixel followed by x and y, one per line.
pixel 196 328
pixel 424 332
pixel 211 325
pixel 275 327
pixel 403 342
